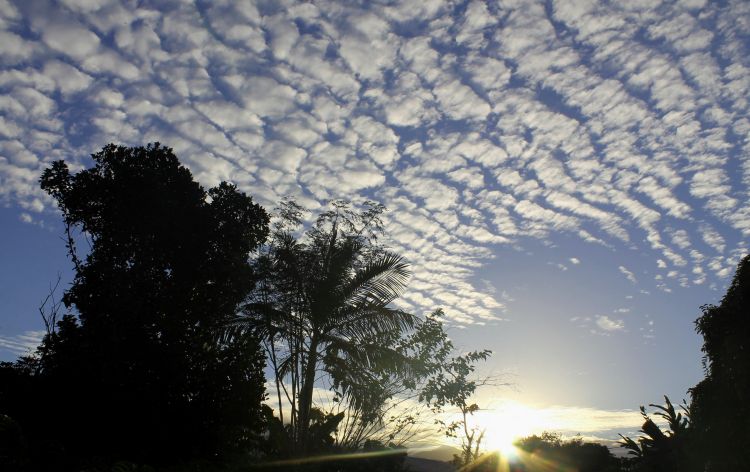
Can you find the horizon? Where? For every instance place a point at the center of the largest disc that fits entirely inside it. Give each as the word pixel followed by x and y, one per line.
pixel 569 181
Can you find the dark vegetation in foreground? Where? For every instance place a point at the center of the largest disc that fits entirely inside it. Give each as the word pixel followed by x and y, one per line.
pixel 549 452
pixel 154 357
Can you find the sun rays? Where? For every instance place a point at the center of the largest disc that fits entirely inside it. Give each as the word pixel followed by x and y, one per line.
pixel 508 422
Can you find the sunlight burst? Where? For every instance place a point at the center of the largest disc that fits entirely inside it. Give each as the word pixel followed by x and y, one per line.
pixel 508 423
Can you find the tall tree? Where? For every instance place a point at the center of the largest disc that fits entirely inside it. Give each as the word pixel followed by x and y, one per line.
pixel 324 307
pixel 720 412
pixel 141 370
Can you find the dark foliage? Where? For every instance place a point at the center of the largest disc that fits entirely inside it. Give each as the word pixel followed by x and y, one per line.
pixel 323 310
pixel 549 452
pixel 326 454
pixel 136 371
pixel 711 434
pixel 539 453
pixel 720 411
pixel 656 450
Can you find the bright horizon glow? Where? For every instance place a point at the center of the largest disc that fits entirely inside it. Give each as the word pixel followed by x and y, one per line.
pixel 508 423
pixel 506 420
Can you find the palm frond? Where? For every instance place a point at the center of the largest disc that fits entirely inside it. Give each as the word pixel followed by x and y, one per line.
pixel 380 280
pixel 367 322
pixel 372 357
pixel 367 375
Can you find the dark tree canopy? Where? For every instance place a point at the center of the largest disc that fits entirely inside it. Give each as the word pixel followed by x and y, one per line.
pixel 139 368
pixel 323 309
pixel 656 449
pixel 720 412
pixel 550 452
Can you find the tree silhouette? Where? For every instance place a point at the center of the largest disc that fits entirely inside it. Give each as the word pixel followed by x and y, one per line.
pixel 657 450
pixel 137 367
pixel 721 414
pixel 323 306
pixel 549 451
pixel 453 385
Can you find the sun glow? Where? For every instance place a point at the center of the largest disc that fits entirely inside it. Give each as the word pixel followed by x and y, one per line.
pixel 502 441
pixel 509 422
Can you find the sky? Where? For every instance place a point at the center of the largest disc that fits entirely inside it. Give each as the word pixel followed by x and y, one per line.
pixel 568 179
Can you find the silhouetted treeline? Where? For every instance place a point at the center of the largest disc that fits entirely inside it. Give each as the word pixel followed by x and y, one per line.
pixel 720 403
pixel 712 433
pixel 539 453
pixel 144 366
pixel 550 452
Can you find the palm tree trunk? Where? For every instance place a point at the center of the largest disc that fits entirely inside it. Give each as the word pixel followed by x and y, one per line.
pixel 306 394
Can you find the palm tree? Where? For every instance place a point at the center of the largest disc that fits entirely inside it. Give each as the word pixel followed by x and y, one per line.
pixel 324 310
pixel 658 450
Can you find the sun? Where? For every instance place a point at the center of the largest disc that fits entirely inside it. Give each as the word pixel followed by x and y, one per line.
pixel 508 423
pixel 501 440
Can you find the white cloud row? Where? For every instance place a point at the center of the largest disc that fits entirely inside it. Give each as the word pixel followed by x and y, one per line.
pixel 21 344
pixel 620 124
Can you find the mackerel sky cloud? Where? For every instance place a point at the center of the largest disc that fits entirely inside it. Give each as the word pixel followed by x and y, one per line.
pixel 486 128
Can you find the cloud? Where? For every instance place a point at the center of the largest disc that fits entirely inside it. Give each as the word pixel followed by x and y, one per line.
pixel 459 102
pixel 477 126
pixel 713 238
pixel 629 275
pixel 601 324
pixel 22 344
pixel 607 324
pixel 70 38
pixel 15 48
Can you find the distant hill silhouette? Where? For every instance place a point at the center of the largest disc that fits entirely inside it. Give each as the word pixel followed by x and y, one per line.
pixel 418 464
pixel 442 453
